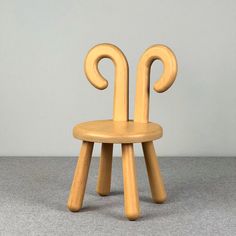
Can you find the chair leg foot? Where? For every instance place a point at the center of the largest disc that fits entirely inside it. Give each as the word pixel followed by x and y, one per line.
pixel 156 183
pixel 131 199
pixel 78 186
pixel 105 167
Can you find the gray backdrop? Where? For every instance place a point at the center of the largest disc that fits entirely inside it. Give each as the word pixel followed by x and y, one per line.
pixel 44 92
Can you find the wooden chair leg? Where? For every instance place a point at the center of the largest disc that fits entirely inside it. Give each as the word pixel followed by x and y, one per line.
pixel 131 199
pixel 154 175
pixel 104 173
pixel 76 196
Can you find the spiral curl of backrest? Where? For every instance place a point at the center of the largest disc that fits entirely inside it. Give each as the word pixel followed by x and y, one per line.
pixel 121 99
pixel 167 57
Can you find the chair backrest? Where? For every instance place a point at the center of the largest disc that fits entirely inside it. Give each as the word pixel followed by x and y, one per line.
pixel 121 88
pixel 155 52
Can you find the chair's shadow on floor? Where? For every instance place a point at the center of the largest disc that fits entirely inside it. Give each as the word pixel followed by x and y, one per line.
pixel 102 205
pixel 120 216
pixel 178 196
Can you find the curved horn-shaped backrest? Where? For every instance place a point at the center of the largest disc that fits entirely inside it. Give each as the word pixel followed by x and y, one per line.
pixel 121 100
pixel 168 59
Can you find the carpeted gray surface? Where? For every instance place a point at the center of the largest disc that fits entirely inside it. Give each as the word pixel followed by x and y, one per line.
pixel 201 199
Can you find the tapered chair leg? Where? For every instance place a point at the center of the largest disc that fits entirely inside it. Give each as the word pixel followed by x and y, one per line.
pixel 131 199
pixel 104 173
pixel 76 196
pixel 154 175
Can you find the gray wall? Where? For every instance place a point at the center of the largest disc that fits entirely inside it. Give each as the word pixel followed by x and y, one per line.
pixel 43 90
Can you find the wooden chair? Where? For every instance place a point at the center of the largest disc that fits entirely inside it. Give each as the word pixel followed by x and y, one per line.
pixel 121 129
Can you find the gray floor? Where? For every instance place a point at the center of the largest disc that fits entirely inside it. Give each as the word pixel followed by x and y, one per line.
pixel 201 199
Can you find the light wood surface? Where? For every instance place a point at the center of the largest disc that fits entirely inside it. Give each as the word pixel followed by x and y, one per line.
pixel 154 175
pixel 108 131
pixel 121 100
pixel 156 52
pixel 120 105
pixel 122 130
pixel 131 199
pixel 105 167
pixel 78 186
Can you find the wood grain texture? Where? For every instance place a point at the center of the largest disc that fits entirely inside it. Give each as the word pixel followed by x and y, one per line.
pixel 108 131
pixel 105 167
pixel 160 52
pixel 154 175
pixel 120 103
pixel 131 199
pixel 78 186
pixel 121 129
pixel 121 100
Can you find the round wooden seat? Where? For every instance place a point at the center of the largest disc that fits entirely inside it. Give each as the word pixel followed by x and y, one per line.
pixel 108 131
